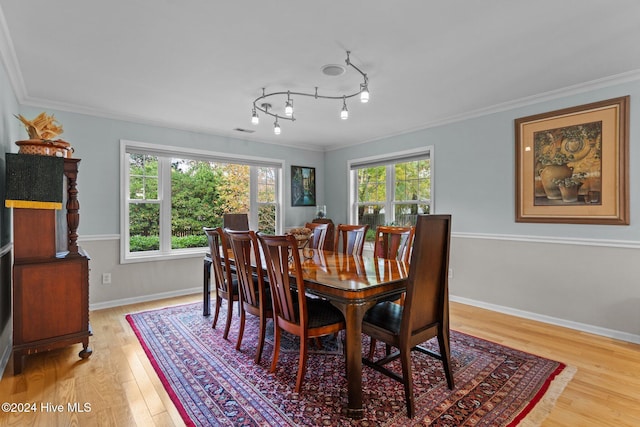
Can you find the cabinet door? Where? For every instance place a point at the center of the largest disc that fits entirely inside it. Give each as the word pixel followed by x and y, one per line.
pixel 50 299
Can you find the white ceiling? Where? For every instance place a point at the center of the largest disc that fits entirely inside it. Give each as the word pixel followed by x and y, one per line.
pixel 199 64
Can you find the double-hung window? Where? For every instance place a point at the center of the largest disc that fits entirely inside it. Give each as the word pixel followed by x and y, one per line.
pixel 170 193
pixel 391 189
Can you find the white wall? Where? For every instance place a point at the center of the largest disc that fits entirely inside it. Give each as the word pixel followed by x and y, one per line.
pixel 584 276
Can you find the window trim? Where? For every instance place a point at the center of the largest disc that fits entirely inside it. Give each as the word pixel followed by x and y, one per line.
pixel 387 159
pixel 128 146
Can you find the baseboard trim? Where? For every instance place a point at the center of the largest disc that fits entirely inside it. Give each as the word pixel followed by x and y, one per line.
pixel 6 354
pixel 583 327
pixel 143 298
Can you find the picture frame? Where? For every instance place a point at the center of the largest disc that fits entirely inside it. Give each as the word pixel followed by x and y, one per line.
pixel 303 186
pixel 572 165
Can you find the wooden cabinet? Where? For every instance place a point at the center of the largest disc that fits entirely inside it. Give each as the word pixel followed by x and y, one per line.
pixel 50 288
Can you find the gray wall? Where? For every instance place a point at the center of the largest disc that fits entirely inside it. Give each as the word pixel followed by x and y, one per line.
pixel 582 276
pixel 96 141
pixel 8 133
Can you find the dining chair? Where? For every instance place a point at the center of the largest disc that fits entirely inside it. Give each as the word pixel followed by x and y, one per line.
pixel 255 299
pixel 350 238
pixel 295 312
pixel 425 313
pixel 392 242
pixel 235 221
pixel 226 286
pixel 318 235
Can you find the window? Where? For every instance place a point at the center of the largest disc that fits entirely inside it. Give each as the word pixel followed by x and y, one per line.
pixel 393 189
pixel 170 193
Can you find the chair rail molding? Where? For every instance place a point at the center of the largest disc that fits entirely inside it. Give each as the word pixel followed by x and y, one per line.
pixel 630 244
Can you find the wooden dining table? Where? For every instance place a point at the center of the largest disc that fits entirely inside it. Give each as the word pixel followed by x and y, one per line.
pixel 353 284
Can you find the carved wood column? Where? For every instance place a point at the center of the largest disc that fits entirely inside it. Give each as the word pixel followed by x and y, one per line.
pixel 73 206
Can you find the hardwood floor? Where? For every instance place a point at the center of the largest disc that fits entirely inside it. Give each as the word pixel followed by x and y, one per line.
pixel 122 389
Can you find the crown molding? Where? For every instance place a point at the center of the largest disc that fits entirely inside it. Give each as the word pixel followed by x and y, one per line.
pixel 626 77
pixel 10 60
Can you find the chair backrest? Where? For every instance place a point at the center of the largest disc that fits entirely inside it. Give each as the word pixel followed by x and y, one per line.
pixel 393 242
pixel 246 257
pixel 235 221
pixel 219 262
pixel 352 238
pixel 427 296
pixel 318 235
pixel 278 251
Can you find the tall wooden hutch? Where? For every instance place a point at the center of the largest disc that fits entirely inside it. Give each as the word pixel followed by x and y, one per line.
pixel 50 287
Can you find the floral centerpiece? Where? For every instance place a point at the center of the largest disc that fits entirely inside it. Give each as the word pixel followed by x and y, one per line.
pixel 302 235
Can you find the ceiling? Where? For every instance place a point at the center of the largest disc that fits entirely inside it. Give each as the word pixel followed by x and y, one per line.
pixel 199 64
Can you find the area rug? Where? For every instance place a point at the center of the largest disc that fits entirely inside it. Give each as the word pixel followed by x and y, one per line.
pixel 213 384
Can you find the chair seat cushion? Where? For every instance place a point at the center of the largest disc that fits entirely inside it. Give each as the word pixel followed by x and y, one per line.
pixel 321 313
pixel 385 315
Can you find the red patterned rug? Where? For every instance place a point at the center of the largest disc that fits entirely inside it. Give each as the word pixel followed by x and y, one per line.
pixel 213 384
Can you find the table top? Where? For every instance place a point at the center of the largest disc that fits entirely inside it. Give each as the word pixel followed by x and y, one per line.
pixel 351 276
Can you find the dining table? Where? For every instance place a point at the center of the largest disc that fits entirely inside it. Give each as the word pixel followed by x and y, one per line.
pixel 353 284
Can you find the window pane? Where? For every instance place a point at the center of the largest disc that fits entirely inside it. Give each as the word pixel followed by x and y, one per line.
pixel 267 219
pixel 372 184
pixel 144 227
pixel 266 185
pixel 372 215
pixel 201 192
pixel 407 214
pixel 143 177
pixel 413 181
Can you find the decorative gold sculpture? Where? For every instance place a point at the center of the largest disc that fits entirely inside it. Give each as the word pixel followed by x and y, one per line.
pixel 42 127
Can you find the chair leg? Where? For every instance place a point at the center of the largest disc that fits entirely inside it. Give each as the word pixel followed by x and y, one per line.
pixel 217 312
pixel 241 329
pixel 372 348
pixel 227 325
pixel 276 346
pixel 445 353
pixel 302 363
pixel 407 379
pixel 263 330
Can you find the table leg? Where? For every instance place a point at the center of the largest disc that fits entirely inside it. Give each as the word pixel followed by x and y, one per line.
pixel 206 287
pixel 353 314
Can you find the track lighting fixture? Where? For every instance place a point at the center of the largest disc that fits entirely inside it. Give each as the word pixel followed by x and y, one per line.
pixel 259 103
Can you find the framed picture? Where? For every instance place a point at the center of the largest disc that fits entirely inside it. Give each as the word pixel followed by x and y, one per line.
pixel 572 165
pixel 303 186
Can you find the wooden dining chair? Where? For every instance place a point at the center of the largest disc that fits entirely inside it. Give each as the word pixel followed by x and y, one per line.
pixel 350 238
pixel 255 299
pixel 425 313
pixel 226 286
pixel 235 221
pixel 318 235
pixel 392 242
pixel 295 312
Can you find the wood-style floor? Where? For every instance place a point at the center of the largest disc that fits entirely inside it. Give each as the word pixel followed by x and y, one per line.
pixel 122 389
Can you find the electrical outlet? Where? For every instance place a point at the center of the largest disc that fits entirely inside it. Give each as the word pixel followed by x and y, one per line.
pixel 106 278
pixel 451 273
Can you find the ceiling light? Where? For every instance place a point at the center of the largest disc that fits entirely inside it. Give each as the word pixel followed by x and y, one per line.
pixel 344 114
pixel 288 108
pixel 330 70
pixel 364 94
